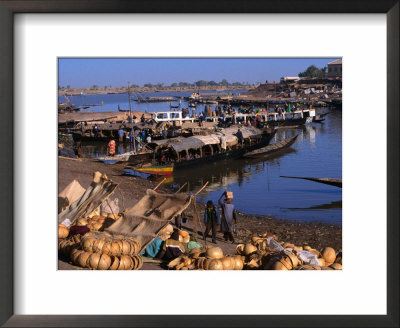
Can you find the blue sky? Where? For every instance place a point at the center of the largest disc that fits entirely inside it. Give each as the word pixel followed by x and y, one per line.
pixel 85 72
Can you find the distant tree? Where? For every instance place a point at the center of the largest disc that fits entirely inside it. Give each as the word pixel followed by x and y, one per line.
pixel 105 87
pixel 174 85
pixel 160 85
pixel 148 85
pixel 224 82
pixel 212 83
pixel 68 87
pixel 183 84
pixel 313 71
pixel 201 83
pixel 94 86
pixel 266 81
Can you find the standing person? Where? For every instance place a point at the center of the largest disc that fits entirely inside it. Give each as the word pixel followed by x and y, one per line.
pixel 164 132
pixel 138 142
pixel 111 147
pixel 209 111
pixel 121 134
pixel 228 215
pixel 223 142
pixel 78 149
pixel 143 136
pixel 131 136
pixel 239 135
pixel 95 130
pixel 148 139
pixel 142 119
pixel 211 219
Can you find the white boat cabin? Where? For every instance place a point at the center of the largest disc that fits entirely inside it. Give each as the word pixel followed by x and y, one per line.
pixel 171 116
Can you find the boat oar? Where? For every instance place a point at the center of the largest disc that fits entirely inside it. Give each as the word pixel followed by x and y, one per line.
pixel 159 184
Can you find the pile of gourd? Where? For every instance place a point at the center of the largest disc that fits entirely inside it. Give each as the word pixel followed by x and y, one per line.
pixel 98 222
pixel 94 222
pixel 102 251
pixel 207 258
pixel 258 255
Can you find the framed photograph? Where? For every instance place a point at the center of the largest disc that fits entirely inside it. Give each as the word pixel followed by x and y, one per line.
pixel 173 119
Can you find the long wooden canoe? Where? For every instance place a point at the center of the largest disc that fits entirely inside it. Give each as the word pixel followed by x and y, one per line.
pixel 261 152
pixel 328 181
pixel 154 169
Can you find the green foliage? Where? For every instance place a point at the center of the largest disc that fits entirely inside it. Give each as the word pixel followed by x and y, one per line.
pixel 313 71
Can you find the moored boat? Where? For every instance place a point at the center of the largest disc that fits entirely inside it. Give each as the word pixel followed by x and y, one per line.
pixel 328 181
pixel 148 168
pixel 202 149
pixel 265 151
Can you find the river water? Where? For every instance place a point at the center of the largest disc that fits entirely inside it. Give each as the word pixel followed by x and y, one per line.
pixel 256 183
pixel 112 101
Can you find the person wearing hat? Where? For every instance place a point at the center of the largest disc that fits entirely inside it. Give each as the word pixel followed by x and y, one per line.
pixel 211 219
pixel 172 248
pixel 228 216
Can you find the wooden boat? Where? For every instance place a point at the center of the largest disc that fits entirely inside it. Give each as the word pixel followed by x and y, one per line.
pixel 116 158
pixel 328 181
pixel 148 168
pixel 261 152
pixel 207 148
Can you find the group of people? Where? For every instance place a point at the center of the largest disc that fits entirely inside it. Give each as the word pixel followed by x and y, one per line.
pixel 226 221
pixel 136 139
pixel 172 248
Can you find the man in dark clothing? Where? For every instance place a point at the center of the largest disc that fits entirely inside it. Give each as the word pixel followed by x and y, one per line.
pixel 172 248
pixel 211 219
pixel 239 135
pixel 228 216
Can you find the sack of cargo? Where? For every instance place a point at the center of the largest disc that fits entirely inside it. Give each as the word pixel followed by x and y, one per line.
pixel 229 195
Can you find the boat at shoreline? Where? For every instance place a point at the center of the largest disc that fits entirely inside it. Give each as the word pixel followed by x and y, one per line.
pixel 198 150
pixel 328 181
pixel 265 151
pixel 152 169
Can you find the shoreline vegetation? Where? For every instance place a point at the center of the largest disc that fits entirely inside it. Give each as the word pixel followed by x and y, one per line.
pixel 130 189
pixel 95 90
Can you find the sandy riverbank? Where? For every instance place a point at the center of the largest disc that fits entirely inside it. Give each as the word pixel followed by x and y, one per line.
pixel 131 189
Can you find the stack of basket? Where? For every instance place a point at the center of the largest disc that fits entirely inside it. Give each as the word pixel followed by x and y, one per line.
pixel 102 251
pixel 207 258
pixel 258 255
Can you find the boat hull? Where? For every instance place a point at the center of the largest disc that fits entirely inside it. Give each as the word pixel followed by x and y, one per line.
pixel 155 169
pixel 271 149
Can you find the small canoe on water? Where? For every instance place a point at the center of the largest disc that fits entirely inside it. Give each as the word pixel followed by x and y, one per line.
pixel 328 181
pixel 271 148
pixel 154 169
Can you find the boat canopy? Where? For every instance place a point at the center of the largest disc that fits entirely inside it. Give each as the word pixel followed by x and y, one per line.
pixel 196 142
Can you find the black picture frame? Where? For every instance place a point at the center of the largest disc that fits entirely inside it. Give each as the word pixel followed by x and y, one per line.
pixel 7 11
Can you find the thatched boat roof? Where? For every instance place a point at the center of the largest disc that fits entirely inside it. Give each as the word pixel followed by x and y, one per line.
pixel 196 142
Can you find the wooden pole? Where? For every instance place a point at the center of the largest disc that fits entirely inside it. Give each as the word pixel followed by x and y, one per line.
pixel 180 188
pixel 159 184
pixel 201 189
